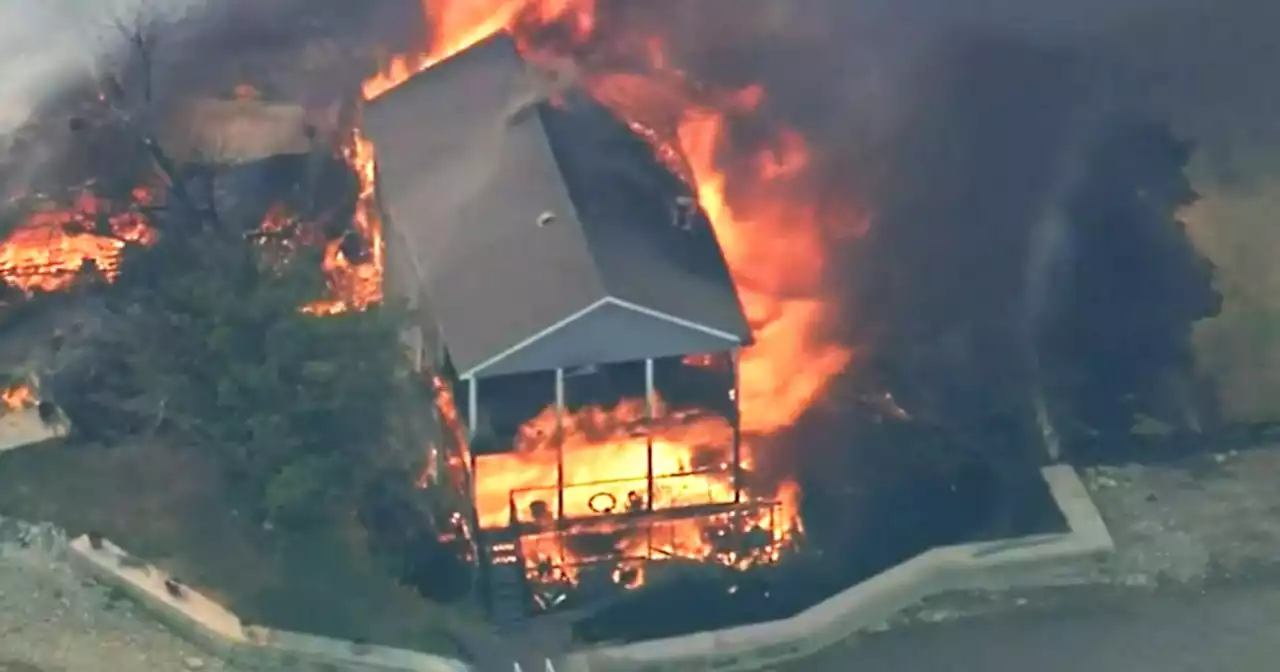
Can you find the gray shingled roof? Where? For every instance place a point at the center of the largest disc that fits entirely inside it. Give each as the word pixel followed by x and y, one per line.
pixel 468 171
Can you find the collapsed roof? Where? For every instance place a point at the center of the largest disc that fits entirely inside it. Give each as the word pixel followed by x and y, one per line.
pixel 545 235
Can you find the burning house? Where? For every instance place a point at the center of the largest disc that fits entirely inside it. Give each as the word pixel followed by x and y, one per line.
pixel 629 263
pixel 574 296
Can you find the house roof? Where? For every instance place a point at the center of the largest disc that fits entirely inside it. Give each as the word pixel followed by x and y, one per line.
pixel 236 131
pixel 545 235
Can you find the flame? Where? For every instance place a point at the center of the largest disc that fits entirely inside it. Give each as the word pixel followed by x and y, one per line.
pixel 356 284
pixel 458 24
pixel 18 397
pixel 45 251
pixel 606 466
pixel 613 441
pixel 458 467
pixel 773 241
pixel 775 250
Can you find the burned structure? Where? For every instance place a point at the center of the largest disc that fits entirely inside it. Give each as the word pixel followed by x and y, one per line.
pixel 571 295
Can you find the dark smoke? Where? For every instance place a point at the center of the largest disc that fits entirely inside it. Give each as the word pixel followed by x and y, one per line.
pixel 967 176
pixel 1117 340
pixel 973 139
pixel 958 127
pixel 961 127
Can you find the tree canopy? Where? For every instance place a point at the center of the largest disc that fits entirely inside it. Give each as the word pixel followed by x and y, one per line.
pixel 1119 336
pixel 210 346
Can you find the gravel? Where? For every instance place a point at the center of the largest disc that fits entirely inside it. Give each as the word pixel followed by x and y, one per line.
pixel 1194 586
pixel 51 620
pixel 1205 522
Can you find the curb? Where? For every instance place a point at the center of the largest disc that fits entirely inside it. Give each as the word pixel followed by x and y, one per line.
pixel 862 607
pixel 873 602
pixel 209 624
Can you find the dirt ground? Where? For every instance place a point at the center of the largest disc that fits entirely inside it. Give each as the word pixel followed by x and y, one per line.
pixel 51 620
pixel 1194 584
pixel 166 505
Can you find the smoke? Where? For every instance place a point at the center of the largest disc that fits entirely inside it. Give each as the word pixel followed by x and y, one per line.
pixel 960 126
pixel 47 45
pixel 953 124
pixel 1239 350
pixel 1212 75
pixel 51 52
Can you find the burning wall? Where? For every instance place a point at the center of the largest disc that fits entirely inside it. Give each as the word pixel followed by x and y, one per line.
pixel 764 219
pixel 768 227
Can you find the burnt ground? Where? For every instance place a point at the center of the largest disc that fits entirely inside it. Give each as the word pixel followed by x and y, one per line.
pixel 1194 585
pixel 166 505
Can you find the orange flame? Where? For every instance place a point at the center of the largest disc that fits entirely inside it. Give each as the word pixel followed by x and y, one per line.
pixel 18 397
pixel 458 466
pixel 773 242
pixel 775 251
pixel 46 250
pixel 458 24
pixel 356 285
pixel 685 447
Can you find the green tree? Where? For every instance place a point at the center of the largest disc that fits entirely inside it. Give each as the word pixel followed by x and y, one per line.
pixel 217 352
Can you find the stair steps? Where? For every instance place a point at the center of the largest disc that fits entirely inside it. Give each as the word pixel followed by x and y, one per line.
pixel 508 592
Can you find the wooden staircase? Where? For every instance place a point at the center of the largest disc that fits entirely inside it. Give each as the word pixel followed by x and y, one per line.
pixel 507 594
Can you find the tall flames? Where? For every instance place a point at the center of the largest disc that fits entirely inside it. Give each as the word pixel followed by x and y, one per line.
pixel 773 243
pixel 356 283
pixel 766 223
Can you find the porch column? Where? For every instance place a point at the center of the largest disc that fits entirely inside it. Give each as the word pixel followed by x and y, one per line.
pixel 650 407
pixel 737 427
pixel 473 407
pixel 559 444
pixel 473 414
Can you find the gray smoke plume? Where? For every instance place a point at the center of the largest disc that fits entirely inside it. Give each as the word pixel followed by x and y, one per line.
pixel 953 122
pixel 46 45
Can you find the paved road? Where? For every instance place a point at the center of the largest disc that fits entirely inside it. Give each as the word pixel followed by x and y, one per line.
pixel 1224 630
